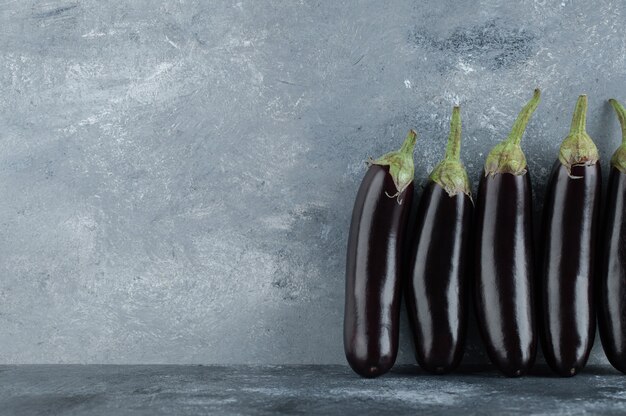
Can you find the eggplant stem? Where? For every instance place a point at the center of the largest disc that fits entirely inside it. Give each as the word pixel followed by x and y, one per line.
pixel 450 173
pixel 508 156
pixel 409 143
pixel 579 120
pixel 400 162
pixel 578 148
pixel 621 115
pixel 517 131
pixel 453 147
pixel 618 160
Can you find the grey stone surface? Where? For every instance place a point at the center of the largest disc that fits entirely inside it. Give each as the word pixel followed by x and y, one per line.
pixel 177 177
pixel 295 390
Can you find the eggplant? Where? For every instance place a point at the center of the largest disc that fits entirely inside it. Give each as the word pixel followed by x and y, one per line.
pixel 505 255
pixel 611 284
pixel 571 210
pixel 373 265
pixel 435 287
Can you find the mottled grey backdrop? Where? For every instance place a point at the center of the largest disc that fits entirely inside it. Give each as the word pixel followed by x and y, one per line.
pixel 177 177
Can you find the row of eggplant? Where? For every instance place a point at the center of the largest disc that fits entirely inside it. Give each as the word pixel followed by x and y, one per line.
pixel 460 247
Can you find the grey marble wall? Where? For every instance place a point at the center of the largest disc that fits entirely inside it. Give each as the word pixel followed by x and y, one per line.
pixel 177 177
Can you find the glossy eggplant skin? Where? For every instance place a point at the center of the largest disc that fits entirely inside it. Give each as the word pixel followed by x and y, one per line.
pixel 435 288
pixel 611 284
pixel 571 210
pixel 504 271
pixel 373 275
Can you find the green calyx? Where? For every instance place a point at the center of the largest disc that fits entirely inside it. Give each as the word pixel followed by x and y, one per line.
pixel 400 162
pixel 619 157
pixel 507 156
pixel 450 173
pixel 578 148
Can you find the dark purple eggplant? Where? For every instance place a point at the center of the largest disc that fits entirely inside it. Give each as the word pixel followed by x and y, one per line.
pixel 571 211
pixel 435 288
pixel 504 254
pixel 373 267
pixel 611 284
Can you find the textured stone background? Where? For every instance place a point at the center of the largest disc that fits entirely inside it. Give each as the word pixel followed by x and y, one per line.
pixel 97 390
pixel 177 177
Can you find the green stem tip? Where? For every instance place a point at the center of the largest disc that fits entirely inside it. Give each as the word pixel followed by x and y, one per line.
pixel 519 127
pixel 618 160
pixel 507 156
pixel 409 142
pixel 450 173
pixel 453 147
pixel 579 119
pixel 578 148
pixel 401 165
